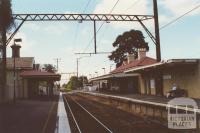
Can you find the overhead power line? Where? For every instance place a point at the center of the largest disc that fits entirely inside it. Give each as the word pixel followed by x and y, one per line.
pixel 173 21
pixel 134 4
pixel 130 7
pixel 101 26
pixel 77 27
pixel 84 10
pixel 178 18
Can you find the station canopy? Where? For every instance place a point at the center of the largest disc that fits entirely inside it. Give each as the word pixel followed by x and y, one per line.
pixel 40 75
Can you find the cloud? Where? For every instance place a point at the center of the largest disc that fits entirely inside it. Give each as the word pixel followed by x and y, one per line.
pixel 172 9
pixel 58 29
pixel 179 7
pixel 123 7
pixel 32 26
pixel 26 44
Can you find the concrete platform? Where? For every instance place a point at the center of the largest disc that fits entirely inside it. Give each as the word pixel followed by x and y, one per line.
pixel 149 98
pixel 152 108
pixel 38 115
pixel 63 123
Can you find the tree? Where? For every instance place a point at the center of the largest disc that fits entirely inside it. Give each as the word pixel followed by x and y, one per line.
pixel 6 22
pixel 49 68
pixel 6 19
pixel 75 82
pixel 127 43
pixel 83 80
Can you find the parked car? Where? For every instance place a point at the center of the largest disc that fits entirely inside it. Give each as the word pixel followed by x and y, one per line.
pixel 177 93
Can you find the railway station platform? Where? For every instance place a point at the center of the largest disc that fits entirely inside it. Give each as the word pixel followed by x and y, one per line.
pixel 38 115
pixel 149 98
pixel 153 108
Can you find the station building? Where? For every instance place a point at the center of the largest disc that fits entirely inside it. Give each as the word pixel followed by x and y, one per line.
pixel 138 76
pixel 23 77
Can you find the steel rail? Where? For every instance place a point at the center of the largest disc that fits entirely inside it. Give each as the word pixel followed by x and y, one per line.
pixel 73 115
pixel 92 116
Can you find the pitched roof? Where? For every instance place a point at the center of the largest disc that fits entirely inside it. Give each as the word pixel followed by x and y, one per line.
pixel 39 74
pixel 136 63
pixel 20 63
pixel 167 64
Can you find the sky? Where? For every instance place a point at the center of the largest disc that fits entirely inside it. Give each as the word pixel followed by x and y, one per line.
pixel 47 41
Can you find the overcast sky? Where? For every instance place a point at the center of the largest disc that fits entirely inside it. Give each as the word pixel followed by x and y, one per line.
pixel 49 40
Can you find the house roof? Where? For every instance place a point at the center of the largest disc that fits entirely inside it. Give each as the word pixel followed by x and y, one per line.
pixel 168 63
pixel 36 74
pixel 136 63
pixel 20 63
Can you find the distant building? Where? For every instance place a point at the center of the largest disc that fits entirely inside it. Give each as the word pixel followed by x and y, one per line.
pixel 27 76
pixel 183 72
pixel 138 76
pixel 122 82
pixel 21 64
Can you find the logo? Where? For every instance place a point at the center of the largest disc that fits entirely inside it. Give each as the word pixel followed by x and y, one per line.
pixel 182 113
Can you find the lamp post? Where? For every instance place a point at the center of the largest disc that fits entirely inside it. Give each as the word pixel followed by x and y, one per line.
pixel 104 70
pixel 96 73
pixel 111 67
pixel 14 65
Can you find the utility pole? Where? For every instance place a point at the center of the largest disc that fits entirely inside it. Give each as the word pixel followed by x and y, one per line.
pixel 157 33
pixel 159 78
pixel 4 81
pixel 77 63
pixel 95 38
pixel 77 66
pixel 57 62
pixel 111 67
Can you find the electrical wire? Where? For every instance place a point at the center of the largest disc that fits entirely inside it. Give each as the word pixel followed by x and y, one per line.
pixel 178 18
pixel 132 5
pixel 77 28
pixel 100 26
pixel 173 21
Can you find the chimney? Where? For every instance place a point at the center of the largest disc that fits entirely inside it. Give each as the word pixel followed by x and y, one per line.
pixel 141 53
pixel 15 50
pixel 130 58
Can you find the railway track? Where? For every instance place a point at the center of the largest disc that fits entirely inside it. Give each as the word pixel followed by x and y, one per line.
pixel 83 119
pixel 88 116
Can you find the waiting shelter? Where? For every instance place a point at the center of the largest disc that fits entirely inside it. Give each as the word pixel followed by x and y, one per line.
pixel 35 79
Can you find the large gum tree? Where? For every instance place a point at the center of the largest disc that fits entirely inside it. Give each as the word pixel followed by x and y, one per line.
pixel 127 43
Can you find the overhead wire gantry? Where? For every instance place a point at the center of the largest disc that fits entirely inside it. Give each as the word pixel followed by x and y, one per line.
pixel 81 17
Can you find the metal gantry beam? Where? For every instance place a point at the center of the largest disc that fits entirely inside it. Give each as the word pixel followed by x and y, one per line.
pixel 77 17
pixel 80 17
pixel 16 30
pixel 90 17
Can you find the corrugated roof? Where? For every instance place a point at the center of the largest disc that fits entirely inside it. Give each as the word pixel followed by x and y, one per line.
pixel 20 63
pixel 136 63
